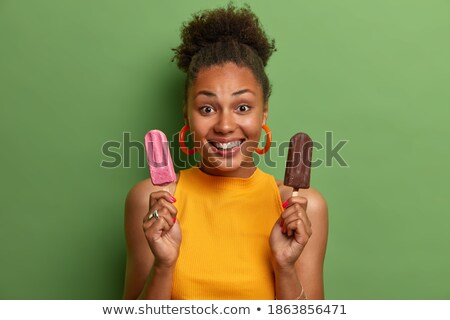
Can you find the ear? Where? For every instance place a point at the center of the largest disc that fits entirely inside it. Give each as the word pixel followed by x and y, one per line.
pixel 185 115
pixel 184 112
pixel 265 113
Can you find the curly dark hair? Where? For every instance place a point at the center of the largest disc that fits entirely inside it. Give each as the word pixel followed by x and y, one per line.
pixel 214 37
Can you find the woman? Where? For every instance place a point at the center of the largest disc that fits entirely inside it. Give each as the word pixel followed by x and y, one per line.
pixel 244 235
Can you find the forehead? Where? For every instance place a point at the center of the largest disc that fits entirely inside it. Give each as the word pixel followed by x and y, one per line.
pixel 226 78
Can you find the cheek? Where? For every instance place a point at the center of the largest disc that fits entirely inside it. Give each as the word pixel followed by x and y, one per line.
pixel 252 126
pixel 197 128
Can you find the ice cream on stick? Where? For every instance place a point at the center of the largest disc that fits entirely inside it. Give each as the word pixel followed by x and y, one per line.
pixel 298 163
pixel 158 158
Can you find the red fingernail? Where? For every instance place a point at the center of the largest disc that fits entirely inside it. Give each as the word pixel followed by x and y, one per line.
pixel 282 229
pixel 285 204
pixel 173 199
pixel 174 219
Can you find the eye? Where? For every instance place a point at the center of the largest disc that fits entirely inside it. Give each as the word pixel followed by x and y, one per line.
pixel 206 110
pixel 243 108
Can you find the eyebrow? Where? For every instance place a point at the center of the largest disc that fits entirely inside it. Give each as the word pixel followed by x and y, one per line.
pixel 212 94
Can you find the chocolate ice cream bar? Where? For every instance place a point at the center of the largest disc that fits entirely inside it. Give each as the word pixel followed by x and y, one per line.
pixel 298 164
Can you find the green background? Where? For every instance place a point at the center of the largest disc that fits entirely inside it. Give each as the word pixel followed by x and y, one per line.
pixel 77 74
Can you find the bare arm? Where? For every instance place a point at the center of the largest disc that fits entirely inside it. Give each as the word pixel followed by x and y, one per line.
pixel 144 278
pixel 304 279
pixel 309 266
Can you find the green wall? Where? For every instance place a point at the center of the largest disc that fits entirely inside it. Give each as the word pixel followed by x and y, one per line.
pixel 77 74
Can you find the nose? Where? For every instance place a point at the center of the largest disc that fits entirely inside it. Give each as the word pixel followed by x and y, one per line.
pixel 225 123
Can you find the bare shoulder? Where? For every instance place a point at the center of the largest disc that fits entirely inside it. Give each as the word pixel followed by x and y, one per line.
pixel 317 204
pixel 138 192
pixel 137 199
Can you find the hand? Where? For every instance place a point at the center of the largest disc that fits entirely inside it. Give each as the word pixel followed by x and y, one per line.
pixel 163 233
pixel 290 233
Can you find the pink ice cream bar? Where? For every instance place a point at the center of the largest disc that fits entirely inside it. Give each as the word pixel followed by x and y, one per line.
pixel 158 158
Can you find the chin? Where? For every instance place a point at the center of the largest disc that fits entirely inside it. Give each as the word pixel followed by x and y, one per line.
pixel 228 165
pixel 225 165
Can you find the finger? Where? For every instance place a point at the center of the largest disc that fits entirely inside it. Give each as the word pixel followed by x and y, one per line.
pixel 158 206
pixel 291 211
pixel 148 222
pixel 155 196
pixel 290 216
pixel 302 201
pixel 300 216
pixel 305 219
pixel 163 203
pixel 154 229
pixel 163 213
pixel 298 229
pixel 294 209
pixel 298 204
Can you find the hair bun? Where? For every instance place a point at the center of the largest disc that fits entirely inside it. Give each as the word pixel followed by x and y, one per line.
pixel 222 25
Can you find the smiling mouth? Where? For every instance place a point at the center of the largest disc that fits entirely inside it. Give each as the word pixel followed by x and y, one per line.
pixel 226 149
pixel 224 146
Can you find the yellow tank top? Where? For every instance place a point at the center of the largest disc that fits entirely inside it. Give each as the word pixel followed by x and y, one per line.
pixel 225 225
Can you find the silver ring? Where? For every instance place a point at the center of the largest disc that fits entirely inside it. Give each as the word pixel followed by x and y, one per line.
pixel 154 214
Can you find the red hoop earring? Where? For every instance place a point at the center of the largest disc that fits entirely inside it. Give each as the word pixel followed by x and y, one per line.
pixel 181 141
pixel 268 141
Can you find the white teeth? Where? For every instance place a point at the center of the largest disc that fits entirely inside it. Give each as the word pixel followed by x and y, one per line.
pixel 225 146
